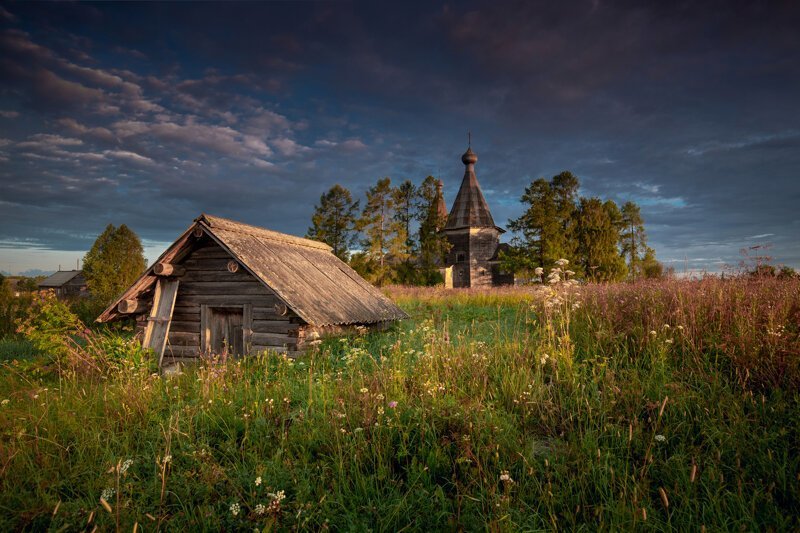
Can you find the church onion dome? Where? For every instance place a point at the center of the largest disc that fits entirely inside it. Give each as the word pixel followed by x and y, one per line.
pixel 469 157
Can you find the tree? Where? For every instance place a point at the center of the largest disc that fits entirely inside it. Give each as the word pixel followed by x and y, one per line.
pixel 538 225
pixel 376 225
pixel 651 268
pixel 433 244
pixel 598 236
pixel 565 196
pixel 334 221
pixel 403 198
pixel 548 225
pixel 114 262
pixel 633 239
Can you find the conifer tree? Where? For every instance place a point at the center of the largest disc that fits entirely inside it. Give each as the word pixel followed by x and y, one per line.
pixel 334 221
pixel 433 244
pixel 633 239
pixel 376 223
pixel 598 255
pixel 403 198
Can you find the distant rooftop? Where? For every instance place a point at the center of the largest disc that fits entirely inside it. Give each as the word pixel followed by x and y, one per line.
pixel 59 278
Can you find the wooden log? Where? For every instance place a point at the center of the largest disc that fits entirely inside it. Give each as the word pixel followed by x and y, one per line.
pixel 272 339
pixel 200 263
pixel 186 326
pixel 168 269
pixel 247 288
pixel 179 338
pixel 193 275
pixel 268 313
pixel 182 351
pixel 222 300
pixel 132 307
pixel 274 326
pixel 291 351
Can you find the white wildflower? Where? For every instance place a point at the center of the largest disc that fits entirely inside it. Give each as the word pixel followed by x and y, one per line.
pixel 364 390
pixel 108 493
pixel 661 438
pixel 653 333
pixel 562 262
pixel 5 402
pixel 538 271
pixel 235 509
pixel 505 477
pixel 258 481
pixel 125 466
pixel 260 509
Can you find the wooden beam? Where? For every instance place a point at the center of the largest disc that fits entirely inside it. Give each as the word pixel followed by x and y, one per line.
pixel 168 269
pixel 155 334
pixel 133 307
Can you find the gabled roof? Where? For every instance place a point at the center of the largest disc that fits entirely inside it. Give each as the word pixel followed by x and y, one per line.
pixel 470 209
pixel 59 278
pixel 318 286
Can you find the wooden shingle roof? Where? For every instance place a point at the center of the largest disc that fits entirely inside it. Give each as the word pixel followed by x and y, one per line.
pixel 318 286
pixel 470 209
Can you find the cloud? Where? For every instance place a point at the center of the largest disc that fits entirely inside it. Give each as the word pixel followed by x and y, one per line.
pixel 288 147
pixel 9 114
pixel 784 139
pixel 132 157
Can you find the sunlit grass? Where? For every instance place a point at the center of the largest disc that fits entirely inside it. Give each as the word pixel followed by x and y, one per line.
pixel 669 405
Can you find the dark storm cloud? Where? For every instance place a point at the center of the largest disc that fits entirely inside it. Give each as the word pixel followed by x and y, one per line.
pixel 149 114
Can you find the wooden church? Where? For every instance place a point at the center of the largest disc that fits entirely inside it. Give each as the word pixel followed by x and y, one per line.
pixel 473 259
pixel 227 287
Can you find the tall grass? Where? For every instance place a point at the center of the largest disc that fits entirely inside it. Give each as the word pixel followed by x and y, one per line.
pixel 455 419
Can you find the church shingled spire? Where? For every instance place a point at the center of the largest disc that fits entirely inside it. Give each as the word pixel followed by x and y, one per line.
pixel 469 208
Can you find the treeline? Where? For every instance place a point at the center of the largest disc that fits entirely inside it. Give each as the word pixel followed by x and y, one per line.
pixel 396 231
pixel 602 241
pixel 398 238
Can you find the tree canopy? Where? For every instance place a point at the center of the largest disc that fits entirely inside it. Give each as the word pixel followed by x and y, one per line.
pixel 115 260
pixel 334 221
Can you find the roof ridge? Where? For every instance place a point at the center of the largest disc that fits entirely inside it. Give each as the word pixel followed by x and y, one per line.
pixel 233 225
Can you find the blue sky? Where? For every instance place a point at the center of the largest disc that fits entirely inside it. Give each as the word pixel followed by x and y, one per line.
pixel 149 114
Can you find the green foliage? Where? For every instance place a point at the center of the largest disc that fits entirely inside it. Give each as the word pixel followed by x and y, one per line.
pixel 633 241
pixel 114 262
pixel 380 230
pixel 590 233
pixel 433 245
pixel 403 197
pixel 12 308
pixel 334 221
pixel 651 268
pixel 453 420
pixel 51 326
pixel 598 233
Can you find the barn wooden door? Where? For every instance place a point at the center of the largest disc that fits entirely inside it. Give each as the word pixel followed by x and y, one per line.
pixel 225 330
pixel 155 334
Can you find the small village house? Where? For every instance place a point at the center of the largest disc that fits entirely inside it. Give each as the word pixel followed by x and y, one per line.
pixel 228 287
pixel 65 284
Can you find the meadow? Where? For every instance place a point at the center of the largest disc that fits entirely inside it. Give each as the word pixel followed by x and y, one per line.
pixel 668 405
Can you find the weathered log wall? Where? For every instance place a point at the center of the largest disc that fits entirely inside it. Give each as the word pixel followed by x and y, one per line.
pixel 208 281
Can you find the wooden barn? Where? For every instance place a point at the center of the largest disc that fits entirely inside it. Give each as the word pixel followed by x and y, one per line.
pixel 227 287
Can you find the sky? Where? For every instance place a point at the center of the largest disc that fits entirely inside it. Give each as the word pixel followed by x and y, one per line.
pixel 149 114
